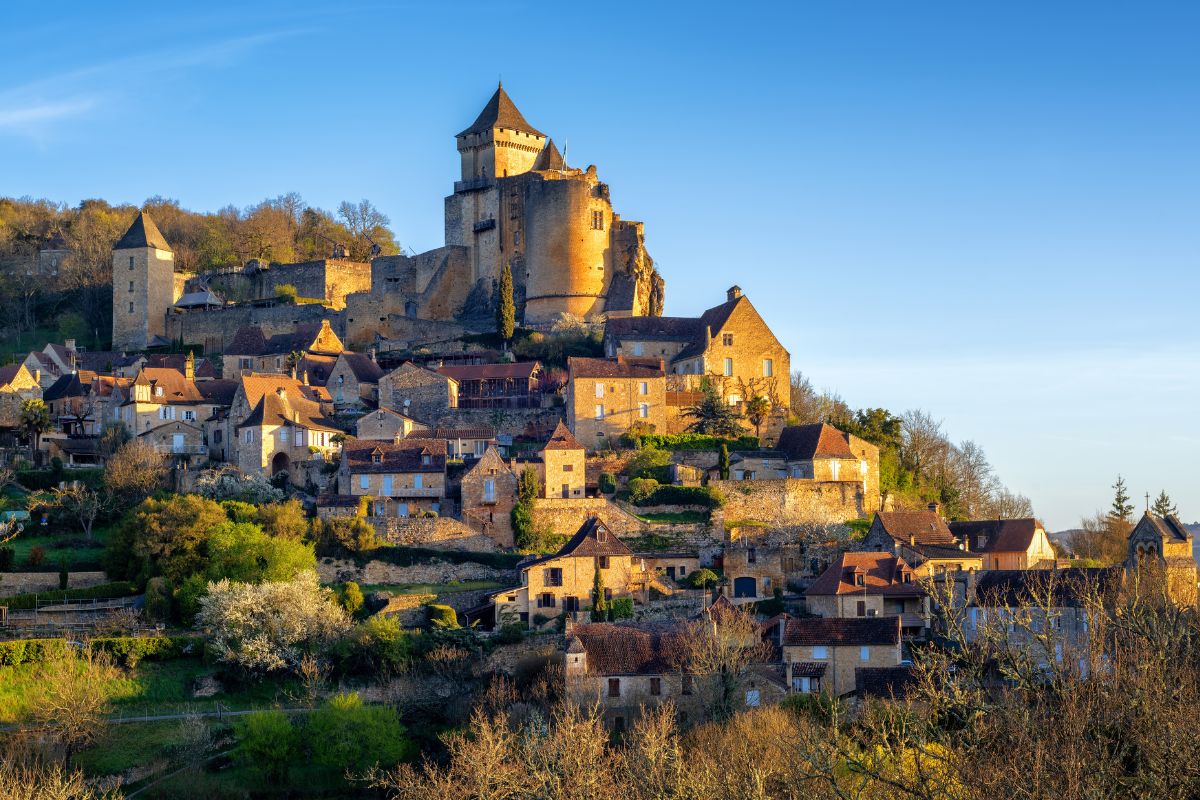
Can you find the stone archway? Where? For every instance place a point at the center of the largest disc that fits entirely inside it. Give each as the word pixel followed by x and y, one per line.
pixel 280 463
pixel 746 586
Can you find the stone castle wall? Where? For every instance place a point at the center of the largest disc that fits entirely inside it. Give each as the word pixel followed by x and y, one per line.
pixel 793 502
pixel 214 328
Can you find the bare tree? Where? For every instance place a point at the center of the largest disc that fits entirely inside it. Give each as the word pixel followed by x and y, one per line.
pixel 74 697
pixel 136 471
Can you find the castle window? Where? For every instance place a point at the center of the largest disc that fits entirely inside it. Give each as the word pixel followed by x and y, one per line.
pixel 727 339
pixel 768 368
pixel 131 262
pixel 597 220
pixel 131 308
pixel 131 286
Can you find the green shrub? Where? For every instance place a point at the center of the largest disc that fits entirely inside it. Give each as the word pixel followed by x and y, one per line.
pixel 648 462
pixel 607 482
pixel 8 557
pixel 511 633
pixel 621 608
pixel 351 597
pixel 158 599
pixel 129 650
pixel 702 579
pixel 267 741
pixel 345 735
pixel 697 441
pixel 642 489
pixel 705 496
pixel 441 616
pixel 30 651
pixel 379 646
pixel 105 591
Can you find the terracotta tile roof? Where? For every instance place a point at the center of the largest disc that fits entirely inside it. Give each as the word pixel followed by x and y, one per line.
pixel 175 387
pixel 500 112
pixel 477 432
pixel 279 399
pixel 176 361
pixel 945 552
pixel 142 233
pixel 837 631
pixel 250 341
pixel 996 535
pixel 316 368
pixel 621 367
pixel 562 439
pixel 883 574
pixel 807 442
pixel 219 391
pixel 520 370
pixel 407 455
pixel 247 341
pixel 593 539
pixel 926 527
pixel 1017 587
pixel 630 648
pixel 883 681
pixel 338 501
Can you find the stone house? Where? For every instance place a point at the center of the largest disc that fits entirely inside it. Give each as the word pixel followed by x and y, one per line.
pixel 386 425
pixel 1007 543
pixel 159 395
pixel 251 350
pixel 399 479
pixel 178 439
pixel 417 392
pixel 923 540
pixel 823 654
pixel 754 567
pixel 564 463
pixel 464 443
pixel 17 384
pixel 871 584
pixel 81 402
pixel 144 286
pixel 1164 543
pixel 488 493
pixel 274 425
pixel 353 381
pixel 729 342
pixel 505 385
pixel 605 397
pixel 563 582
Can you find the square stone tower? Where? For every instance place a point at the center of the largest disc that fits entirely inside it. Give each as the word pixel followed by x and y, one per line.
pixel 144 286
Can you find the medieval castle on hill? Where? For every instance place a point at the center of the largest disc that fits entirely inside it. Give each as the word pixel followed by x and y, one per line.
pixel 517 202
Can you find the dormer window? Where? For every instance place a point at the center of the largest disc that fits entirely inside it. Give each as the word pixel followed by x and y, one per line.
pixel 376 456
pixel 860 579
pixel 158 391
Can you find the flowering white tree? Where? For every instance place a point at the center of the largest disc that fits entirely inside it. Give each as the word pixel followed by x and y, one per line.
pixel 227 482
pixel 270 626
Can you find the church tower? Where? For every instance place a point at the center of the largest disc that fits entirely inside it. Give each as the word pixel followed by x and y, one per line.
pixel 143 286
pixel 500 143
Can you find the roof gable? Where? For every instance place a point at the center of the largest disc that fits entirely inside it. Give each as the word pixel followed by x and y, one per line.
pixel 562 439
pixel 808 442
pixel 919 527
pixel 142 233
pixel 882 574
pixel 500 112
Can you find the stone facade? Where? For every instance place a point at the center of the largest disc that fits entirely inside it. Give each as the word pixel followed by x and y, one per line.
pixel 489 492
pixel 563 516
pixel 793 502
pixel 417 392
pixel 564 466
pixel 400 479
pixel 19 385
pixel 386 425
pixel 821 655
pixel 326 279
pixel 144 286
pixel 606 397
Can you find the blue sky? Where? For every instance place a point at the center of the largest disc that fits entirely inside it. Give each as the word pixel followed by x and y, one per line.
pixel 986 210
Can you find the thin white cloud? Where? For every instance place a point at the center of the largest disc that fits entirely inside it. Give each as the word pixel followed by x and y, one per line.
pixel 23 118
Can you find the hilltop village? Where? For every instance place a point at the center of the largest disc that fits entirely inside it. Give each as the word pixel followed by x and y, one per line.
pixel 589 515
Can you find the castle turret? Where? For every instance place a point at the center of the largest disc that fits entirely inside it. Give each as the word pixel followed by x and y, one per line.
pixel 144 285
pixel 500 143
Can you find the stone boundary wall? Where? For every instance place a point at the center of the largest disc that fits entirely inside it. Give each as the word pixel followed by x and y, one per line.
pixel 565 516
pixel 434 572
pixel 25 582
pixel 443 533
pixel 512 421
pixel 792 501
pixel 214 328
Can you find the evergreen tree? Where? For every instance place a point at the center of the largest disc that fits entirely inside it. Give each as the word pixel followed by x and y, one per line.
pixel 713 416
pixel 723 462
pixel 506 310
pixel 1122 508
pixel 1163 505
pixel 599 604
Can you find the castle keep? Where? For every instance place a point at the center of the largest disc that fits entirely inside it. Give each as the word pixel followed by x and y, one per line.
pixel 517 202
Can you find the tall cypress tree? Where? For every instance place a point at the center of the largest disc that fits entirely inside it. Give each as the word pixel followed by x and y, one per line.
pixel 723 462
pixel 506 310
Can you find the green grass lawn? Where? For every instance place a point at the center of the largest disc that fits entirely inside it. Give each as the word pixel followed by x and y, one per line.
pixel 678 517
pixel 430 588
pixel 68 547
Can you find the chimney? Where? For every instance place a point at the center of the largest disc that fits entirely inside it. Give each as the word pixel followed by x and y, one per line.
pixel 781 627
pixel 936 507
pixel 282 392
pixel 69 344
pixel 189 366
pixel 306 377
pixel 37 377
pixel 912 540
pixel 733 293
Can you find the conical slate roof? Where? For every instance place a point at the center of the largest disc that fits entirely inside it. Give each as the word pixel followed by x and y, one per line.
pixel 500 112
pixel 142 233
pixel 549 158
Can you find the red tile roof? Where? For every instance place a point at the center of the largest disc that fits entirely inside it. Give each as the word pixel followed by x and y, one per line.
pixel 562 439
pixel 620 367
pixel 883 574
pixel 837 631
pixel 407 455
pixel 630 649
pixel 925 527
pixel 997 535
pixel 807 442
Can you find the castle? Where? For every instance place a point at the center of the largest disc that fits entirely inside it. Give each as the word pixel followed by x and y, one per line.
pixel 517 203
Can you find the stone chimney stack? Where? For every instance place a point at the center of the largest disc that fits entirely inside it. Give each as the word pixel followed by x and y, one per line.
pixel 189 366
pixel 936 507
pixel 733 293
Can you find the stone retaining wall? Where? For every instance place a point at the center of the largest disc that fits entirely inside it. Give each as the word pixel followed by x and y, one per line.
pixel 565 516
pixel 443 533
pixel 25 582
pixel 374 572
pixel 792 502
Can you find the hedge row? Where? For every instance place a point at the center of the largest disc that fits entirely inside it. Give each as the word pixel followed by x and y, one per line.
pixel 705 496
pixel 407 556
pixel 104 591
pixel 697 441
pixel 126 650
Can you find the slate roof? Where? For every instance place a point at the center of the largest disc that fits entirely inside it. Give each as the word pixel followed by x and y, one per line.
pixel 250 341
pixel 630 648
pixel 500 112
pixel 667 329
pixel 205 297
pixel 549 158
pixel 926 527
pixel 1016 587
pixel 883 681
pixel 142 233
pixel 593 539
pixel 996 535
pixel 882 575
pixel 218 391
pixel 177 361
pixel 1168 527
pixel 363 366
pixel 476 432
pixel 403 456
pixel 621 367
pixel 562 439
pixel 521 370
pixel 315 367
pixel 7 373
pixel 809 669
pixel 807 442
pixel 837 631
pixel 74 384
pixel 711 320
